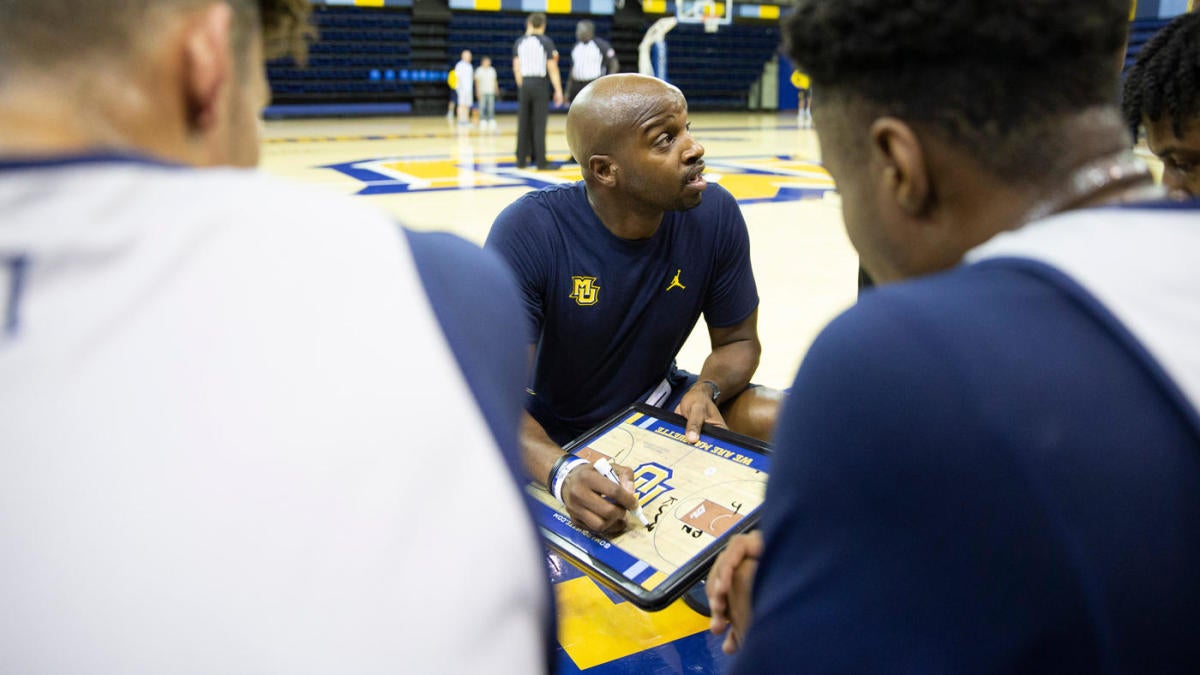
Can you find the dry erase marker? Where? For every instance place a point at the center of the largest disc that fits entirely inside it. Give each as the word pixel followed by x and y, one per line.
pixel 605 468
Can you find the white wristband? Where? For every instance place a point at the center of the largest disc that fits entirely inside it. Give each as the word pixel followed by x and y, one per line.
pixel 561 477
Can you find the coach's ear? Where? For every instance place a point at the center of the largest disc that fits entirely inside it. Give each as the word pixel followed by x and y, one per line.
pixel 603 169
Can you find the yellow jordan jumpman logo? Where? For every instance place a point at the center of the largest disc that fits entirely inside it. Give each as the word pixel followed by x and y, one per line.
pixel 675 282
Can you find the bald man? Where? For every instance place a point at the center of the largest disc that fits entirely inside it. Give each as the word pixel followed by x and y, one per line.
pixel 614 272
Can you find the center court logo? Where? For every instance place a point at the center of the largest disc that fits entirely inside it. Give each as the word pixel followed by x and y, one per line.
pixel 584 291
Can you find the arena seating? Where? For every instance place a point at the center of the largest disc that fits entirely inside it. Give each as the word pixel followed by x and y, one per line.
pixel 716 70
pixel 1140 32
pixel 382 61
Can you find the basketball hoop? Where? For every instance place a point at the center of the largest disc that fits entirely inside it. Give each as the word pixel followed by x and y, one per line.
pixel 708 13
pixel 709 16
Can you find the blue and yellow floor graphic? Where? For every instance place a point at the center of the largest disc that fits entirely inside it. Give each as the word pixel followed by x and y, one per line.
pixel 600 633
pixel 751 179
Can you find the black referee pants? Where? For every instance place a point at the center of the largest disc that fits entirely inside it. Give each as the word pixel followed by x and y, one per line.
pixel 576 86
pixel 533 106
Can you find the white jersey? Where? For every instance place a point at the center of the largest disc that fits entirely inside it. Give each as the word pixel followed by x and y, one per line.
pixel 1148 280
pixel 235 440
pixel 465 74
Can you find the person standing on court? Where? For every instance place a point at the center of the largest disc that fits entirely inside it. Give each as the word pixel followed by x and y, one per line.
pixel 464 86
pixel 535 60
pixel 485 89
pixel 223 395
pixel 615 271
pixel 590 58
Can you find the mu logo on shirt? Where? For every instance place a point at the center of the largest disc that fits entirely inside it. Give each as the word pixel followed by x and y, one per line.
pixel 584 290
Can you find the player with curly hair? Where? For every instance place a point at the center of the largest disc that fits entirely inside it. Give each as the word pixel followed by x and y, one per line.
pixel 991 463
pixel 1162 95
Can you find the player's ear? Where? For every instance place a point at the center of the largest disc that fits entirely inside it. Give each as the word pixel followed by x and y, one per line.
pixel 904 170
pixel 604 170
pixel 208 67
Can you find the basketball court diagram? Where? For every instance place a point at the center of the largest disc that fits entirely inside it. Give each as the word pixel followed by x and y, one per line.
pixel 691 494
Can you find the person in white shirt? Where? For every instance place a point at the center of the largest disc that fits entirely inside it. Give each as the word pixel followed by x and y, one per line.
pixel 485 88
pixel 247 427
pixel 591 57
pixel 464 72
pixel 535 65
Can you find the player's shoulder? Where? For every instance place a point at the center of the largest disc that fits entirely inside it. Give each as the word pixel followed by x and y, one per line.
pixel 934 325
pixel 255 200
pixel 900 368
pixel 947 302
pixel 457 259
pixel 243 210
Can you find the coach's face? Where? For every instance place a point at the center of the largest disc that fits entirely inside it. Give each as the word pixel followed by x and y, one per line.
pixel 659 165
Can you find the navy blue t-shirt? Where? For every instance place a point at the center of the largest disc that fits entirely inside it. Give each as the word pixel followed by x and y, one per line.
pixel 608 315
pixel 980 472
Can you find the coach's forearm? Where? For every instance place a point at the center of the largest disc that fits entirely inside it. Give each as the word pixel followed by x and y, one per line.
pixel 731 366
pixel 538 450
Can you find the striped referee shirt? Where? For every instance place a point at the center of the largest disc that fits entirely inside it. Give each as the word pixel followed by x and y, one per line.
pixel 533 52
pixel 588 59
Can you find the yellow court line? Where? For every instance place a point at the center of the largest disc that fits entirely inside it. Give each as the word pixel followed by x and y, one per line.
pixel 594 630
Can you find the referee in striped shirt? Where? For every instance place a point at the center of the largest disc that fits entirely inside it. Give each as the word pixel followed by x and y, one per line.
pixel 534 59
pixel 591 58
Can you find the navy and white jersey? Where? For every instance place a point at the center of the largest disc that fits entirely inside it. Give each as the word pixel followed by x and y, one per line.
pixel 249 428
pixel 534 51
pixel 608 315
pixel 997 469
pixel 589 58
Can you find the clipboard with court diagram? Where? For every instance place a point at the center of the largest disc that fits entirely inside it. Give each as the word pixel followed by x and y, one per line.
pixel 696 498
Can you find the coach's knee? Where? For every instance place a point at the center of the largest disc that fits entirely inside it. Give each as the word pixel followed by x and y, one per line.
pixel 753 412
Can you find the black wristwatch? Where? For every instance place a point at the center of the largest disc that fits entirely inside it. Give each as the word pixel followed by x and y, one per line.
pixel 716 391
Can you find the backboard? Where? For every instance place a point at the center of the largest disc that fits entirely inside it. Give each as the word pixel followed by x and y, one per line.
pixel 711 13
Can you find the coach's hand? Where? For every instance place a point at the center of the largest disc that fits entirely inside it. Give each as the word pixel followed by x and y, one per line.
pixel 729 587
pixel 698 407
pixel 596 502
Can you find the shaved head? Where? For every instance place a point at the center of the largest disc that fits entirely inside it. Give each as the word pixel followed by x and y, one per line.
pixel 609 111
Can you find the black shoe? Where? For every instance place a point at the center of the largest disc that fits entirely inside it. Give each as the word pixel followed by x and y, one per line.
pixel 697 599
pixel 522 165
pixel 547 166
